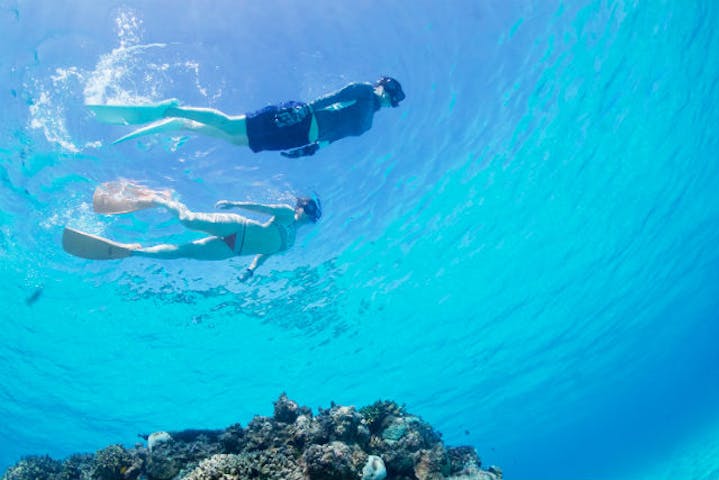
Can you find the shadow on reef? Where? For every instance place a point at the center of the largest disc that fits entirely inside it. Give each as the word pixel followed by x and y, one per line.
pixel 377 442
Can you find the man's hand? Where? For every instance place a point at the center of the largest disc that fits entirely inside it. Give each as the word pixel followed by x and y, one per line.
pixel 305 151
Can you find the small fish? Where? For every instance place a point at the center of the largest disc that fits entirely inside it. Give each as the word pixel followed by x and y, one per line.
pixel 34 297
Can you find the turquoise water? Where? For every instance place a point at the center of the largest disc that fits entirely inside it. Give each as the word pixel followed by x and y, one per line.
pixel 525 253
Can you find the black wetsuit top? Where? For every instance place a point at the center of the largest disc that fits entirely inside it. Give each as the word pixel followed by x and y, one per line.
pixel 347 112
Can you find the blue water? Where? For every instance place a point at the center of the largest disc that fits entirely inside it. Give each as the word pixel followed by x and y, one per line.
pixel 525 253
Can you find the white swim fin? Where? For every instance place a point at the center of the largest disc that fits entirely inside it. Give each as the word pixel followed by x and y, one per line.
pixel 131 114
pixel 92 247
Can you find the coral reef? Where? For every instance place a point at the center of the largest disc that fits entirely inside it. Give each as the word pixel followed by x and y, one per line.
pixel 377 442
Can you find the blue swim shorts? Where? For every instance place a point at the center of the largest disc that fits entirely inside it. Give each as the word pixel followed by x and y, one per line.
pixel 279 127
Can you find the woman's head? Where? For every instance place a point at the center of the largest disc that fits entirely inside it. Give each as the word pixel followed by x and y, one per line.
pixel 393 89
pixel 310 207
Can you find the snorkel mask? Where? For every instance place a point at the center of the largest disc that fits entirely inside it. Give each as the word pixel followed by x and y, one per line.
pixel 393 89
pixel 311 206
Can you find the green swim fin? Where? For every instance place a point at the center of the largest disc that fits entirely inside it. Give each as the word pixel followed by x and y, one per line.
pixel 92 247
pixel 131 114
pixel 164 125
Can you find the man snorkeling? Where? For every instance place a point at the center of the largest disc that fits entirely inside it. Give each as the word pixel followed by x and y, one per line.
pixel 230 234
pixel 296 128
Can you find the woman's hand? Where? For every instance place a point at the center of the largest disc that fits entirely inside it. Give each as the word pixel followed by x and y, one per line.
pixel 246 275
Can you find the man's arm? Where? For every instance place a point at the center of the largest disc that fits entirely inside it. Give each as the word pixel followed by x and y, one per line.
pixel 305 151
pixel 347 95
pixel 274 210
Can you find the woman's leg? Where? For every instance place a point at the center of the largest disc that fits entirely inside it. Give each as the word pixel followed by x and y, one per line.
pixel 210 248
pixel 220 224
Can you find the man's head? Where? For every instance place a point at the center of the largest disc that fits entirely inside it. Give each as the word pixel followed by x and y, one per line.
pixel 310 207
pixel 393 89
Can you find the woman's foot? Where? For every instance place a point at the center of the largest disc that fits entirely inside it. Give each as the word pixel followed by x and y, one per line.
pixel 123 196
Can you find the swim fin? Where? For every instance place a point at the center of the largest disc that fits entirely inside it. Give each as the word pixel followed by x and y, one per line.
pixel 92 247
pixel 123 196
pixel 164 125
pixel 131 114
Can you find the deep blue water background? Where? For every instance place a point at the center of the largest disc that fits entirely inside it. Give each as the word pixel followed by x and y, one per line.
pixel 525 253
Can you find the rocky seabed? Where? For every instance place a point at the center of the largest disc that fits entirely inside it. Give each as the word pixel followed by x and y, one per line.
pixel 377 442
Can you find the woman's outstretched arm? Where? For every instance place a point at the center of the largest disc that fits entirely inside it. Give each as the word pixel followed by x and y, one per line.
pixel 219 224
pixel 274 210
pixel 249 271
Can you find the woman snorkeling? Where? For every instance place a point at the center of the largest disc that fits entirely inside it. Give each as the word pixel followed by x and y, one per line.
pixel 230 234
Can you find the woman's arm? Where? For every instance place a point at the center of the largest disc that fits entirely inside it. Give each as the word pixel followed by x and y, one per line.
pixel 274 210
pixel 249 271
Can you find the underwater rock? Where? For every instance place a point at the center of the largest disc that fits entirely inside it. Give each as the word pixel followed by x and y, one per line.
pixel 305 431
pixel 218 467
pixel 184 450
pixel 374 469
pixel 77 467
pixel 432 464
pixel 466 465
pixel 345 424
pixel 480 475
pixel 232 439
pixel 333 461
pixel 159 467
pixel 157 438
pixel 287 410
pixel 33 467
pixel 374 415
pixel 267 465
pixel 496 471
pixel 377 442
pixel 116 463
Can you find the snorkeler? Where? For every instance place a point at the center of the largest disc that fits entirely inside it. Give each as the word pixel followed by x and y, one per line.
pixel 297 128
pixel 231 234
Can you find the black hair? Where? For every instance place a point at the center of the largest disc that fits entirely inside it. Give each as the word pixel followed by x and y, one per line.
pixel 311 207
pixel 393 88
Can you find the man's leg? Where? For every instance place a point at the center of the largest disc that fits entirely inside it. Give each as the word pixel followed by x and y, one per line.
pixel 184 125
pixel 204 121
pixel 234 126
